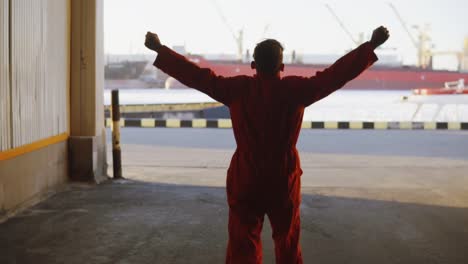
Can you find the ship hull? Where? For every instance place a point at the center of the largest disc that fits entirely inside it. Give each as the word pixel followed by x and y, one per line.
pixel 375 78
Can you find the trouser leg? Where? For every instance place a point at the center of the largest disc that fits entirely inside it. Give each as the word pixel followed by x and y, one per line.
pixel 244 245
pixel 286 227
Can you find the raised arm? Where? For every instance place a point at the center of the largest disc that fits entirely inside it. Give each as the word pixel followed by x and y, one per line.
pixel 203 79
pixel 342 71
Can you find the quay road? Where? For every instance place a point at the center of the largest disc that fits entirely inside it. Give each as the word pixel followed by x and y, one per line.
pixel 414 143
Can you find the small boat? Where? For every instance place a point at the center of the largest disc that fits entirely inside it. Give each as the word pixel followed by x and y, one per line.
pixel 450 88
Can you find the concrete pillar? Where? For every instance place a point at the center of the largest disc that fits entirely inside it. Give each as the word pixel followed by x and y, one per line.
pixel 87 132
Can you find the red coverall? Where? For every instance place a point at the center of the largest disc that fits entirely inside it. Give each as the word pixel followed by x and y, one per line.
pixel 264 174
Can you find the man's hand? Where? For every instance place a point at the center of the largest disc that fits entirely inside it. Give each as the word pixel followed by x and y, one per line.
pixel 152 41
pixel 379 36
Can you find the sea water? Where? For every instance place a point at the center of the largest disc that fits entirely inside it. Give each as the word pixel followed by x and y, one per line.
pixel 343 105
pixel 388 105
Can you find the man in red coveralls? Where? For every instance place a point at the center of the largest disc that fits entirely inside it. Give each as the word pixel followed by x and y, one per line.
pixel 266 111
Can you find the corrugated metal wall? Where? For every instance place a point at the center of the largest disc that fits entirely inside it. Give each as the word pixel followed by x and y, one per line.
pixel 57 57
pixel 39 69
pixel 5 139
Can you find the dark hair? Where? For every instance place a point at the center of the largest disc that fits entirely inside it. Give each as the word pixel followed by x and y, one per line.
pixel 268 56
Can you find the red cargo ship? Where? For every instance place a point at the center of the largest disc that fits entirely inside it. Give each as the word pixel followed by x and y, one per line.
pixel 378 77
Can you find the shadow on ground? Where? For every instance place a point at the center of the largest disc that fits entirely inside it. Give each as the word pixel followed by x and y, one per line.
pixel 140 222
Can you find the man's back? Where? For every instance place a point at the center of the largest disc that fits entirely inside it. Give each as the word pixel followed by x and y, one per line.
pixel 266 113
pixel 266 118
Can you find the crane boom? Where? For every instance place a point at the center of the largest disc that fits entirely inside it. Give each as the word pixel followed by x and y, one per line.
pixel 223 18
pixel 238 38
pixel 405 27
pixel 342 25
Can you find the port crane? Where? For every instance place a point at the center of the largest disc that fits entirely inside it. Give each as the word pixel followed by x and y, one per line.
pixel 357 41
pixel 423 46
pixel 237 36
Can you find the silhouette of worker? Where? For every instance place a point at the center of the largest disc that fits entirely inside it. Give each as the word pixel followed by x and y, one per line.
pixel 266 111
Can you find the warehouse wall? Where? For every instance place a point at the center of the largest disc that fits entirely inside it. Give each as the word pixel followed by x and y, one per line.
pixel 34 96
pixel 39 78
pixel 5 137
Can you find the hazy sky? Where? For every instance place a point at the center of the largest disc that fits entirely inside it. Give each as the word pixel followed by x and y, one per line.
pixel 303 25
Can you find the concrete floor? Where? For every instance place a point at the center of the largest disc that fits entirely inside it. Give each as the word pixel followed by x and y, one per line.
pixel 356 209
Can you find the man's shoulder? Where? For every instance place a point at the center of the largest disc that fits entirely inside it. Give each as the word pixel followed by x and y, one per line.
pixel 242 77
pixel 239 78
pixel 292 80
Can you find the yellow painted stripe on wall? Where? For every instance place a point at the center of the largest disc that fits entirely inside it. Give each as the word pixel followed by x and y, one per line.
pixel 224 123
pixel 355 125
pixel 306 125
pixel 406 125
pixel 454 126
pixel 12 153
pixel 331 125
pixel 199 123
pixel 172 123
pixel 380 125
pixel 148 122
pixel 430 125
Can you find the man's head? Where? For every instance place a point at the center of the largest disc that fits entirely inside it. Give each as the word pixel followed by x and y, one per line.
pixel 268 57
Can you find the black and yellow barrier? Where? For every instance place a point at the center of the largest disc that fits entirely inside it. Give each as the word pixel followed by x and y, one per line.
pixel 226 123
